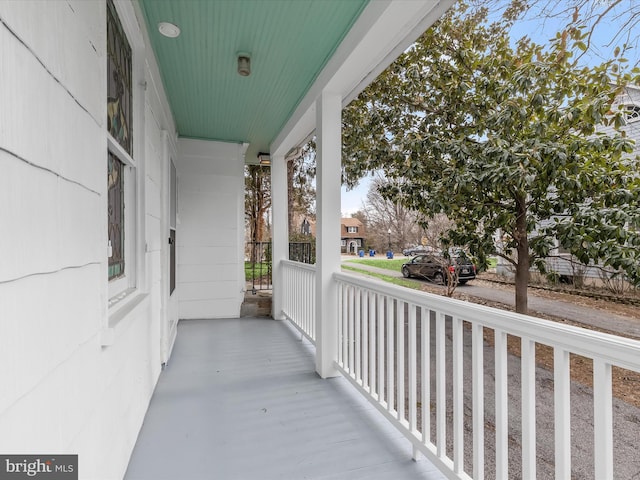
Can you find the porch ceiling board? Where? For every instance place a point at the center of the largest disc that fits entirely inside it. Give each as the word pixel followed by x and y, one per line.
pixel 290 41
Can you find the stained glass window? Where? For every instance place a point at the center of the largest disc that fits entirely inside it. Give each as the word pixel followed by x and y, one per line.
pixel 119 121
pixel 118 80
pixel 172 260
pixel 173 208
pixel 116 216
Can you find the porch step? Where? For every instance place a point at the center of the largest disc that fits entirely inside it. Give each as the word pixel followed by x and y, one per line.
pixel 256 305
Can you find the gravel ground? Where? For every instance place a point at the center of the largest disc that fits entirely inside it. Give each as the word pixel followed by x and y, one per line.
pixel 626 423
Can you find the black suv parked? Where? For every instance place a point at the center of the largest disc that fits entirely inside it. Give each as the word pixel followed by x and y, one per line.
pixel 435 268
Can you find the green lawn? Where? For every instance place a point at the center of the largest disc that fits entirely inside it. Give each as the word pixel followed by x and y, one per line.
pixel 403 282
pixel 255 271
pixel 396 263
pixel 393 264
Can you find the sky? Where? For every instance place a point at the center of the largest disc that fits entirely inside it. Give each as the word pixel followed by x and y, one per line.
pixel 351 201
pixel 541 31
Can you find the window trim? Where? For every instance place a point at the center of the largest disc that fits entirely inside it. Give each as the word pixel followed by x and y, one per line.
pixel 127 280
pixel 173 215
pixel 125 297
pixel 116 222
pixel 121 288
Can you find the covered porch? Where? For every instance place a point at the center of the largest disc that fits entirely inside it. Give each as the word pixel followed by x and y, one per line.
pixel 374 376
pixel 456 383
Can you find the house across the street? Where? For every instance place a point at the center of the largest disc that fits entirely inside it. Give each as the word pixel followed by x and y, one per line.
pixel 352 234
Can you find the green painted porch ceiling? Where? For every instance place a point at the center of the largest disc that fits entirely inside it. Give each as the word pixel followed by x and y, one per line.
pixel 290 42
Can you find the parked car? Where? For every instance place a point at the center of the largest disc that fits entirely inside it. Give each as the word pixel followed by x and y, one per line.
pixel 411 251
pixel 435 267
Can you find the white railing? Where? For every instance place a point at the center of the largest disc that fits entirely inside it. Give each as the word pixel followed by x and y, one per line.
pixel 420 359
pixel 299 281
pixel 442 371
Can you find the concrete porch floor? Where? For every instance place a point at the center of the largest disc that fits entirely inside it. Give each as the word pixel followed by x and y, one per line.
pixel 240 400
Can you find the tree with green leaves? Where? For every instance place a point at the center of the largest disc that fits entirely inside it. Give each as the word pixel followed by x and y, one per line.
pixel 301 191
pixel 257 201
pixel 504 137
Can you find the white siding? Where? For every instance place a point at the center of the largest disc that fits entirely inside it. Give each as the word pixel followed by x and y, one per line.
pixel 211 229
pixel 631 96
pixel 64 390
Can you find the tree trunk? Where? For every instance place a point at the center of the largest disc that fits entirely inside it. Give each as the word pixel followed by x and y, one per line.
pixel 290 197
pixel 258 201
pixel 522 267
pixel 260 230
pixel 257 205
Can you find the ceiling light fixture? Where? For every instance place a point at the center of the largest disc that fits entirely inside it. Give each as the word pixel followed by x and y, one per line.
pixel 244 64
pixel 169 29
pixel 265 158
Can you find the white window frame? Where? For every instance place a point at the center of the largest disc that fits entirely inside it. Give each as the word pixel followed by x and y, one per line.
pixel 122 288
pixel 122 285
pixel 173 222
pixel 352 229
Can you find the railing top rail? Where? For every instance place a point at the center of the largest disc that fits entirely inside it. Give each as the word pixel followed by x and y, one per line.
pixel 300 265
pixel 620 351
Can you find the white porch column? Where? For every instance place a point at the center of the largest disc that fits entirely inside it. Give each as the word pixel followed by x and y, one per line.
pixel 280 229
pixel 328 141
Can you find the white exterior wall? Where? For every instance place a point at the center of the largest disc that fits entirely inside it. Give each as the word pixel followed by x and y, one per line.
pixel 631 96
pixel 211 229
pixel 76 377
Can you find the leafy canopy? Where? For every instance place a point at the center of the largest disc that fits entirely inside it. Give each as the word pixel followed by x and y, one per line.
pixel 504 138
